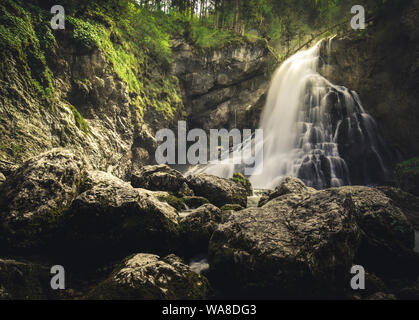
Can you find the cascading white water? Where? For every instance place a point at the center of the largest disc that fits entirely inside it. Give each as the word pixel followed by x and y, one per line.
pixel 314 130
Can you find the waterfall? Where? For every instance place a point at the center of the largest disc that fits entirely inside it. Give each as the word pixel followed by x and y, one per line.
pixel 316 131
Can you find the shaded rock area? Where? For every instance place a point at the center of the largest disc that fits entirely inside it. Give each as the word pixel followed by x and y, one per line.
pixel 405 201
pixel 112 218
pixel 217 190
pixel 303 244
pixel 35 195
pixel 198 227
pixel 24 280
pixel 161 178
pixel 300 243
pixel 149 277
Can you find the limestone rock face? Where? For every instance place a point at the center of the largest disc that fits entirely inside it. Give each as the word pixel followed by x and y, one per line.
pixel 160 178
pixel 217 190
pixel 111 218
pixel 212 81
pixel 304 244
pixel 198 227
pixel 149 277
pixel 35 195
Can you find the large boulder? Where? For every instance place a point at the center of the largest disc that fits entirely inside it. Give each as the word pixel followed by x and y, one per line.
pixel 198 227
pixel 304 244
pixel 34 196
pixel 387 237
pixel 160 178
pixel 112 219
pixel 149 277
pixel 217 190
pixel 288 185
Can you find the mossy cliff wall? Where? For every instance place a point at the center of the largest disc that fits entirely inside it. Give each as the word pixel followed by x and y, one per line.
pixel 107 82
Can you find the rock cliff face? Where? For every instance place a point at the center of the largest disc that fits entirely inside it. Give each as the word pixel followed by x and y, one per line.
pixel 92 109
pixel 94 113
pixel 382 66
pixel 224 88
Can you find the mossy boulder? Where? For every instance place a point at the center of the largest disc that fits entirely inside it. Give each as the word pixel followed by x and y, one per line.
pixel 304 244
pixel 240 178
pixel 149 277
pixel 233 207
pixel 198 227
pixel 195 201
pixel 217 190
pixel 160 178
pixel 407 175
pixel 111 219
pixel 34 197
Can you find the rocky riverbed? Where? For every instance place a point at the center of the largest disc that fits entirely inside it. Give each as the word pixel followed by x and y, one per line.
pixel 128 239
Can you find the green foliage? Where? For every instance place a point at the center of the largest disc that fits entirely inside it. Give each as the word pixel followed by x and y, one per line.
pixel 23 35
pixel 241 179
pixel 206 37
pixel 84 33
pixel 80 121
pixel 175 202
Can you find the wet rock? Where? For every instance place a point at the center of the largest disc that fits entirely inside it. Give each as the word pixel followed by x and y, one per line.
pixel 234 207
pixel 149 277
pixel 195 202
pixel 297 245
pixel 303 244
pixel 161 178
pixel 387 237
pixel 288 185
pixel 111 219
pixel 198 227
pixel 217 190
pixel 35 196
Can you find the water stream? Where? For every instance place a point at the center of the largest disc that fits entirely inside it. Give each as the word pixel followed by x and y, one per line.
pixel 316 131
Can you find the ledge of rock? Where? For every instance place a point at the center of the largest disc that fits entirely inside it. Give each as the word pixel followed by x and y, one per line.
pixel 149 277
